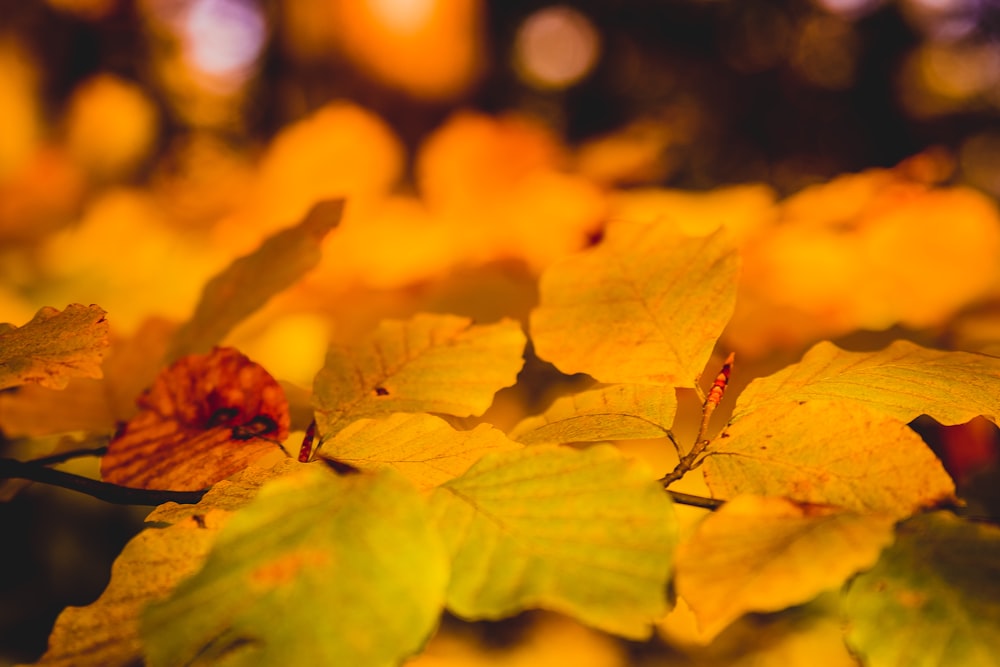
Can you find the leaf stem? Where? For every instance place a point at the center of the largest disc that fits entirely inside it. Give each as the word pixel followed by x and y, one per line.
pixel 111 493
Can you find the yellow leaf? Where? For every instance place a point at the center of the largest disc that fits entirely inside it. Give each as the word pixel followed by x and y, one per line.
pixel 430 363
pixel 89 404
pixel 613 412
pixel 247 283
pixel 827 452
pixel 645 306
pixel 151 565
pixel 424 448
pixel 54 346
pixel 903 381
pixel 766 554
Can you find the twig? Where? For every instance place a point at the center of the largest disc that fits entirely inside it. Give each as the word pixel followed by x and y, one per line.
pixel 111 493
pixel 67 456
pixel 690 461
pixel 696 501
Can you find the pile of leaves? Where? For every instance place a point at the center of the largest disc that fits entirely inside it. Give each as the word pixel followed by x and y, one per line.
pixel 400 505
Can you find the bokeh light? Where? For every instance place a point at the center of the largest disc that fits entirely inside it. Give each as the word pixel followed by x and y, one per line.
pixel 555 47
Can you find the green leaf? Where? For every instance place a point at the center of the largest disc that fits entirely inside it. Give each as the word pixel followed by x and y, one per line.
pixel 318 569
pixel 827 452
pixel 932 599
pixel 766 554
pixel 613 412
pixel 903 381
pixel 645 306
pixel 430 363
pixel 248 283
pixel 53 347
pixel 583 532
pixel 423 448
pixel 106 632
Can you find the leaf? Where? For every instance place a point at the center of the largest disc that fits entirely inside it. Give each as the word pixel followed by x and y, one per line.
pixel 931 599
pixel 423 448
pixel 205 418
pixel 903 381
pixel 106 632
pixel 318 569
pixel 430 363
pixel 613 412
pixel 227 495
pixel 247 284
pixel 89 404
pixel 645 306
pixel 53 347
pixel 766 554
pixel 827 452
pixel 583 532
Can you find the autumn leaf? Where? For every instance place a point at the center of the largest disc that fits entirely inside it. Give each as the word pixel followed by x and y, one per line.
pixel 318 569
pixel 90 404
pixel 827 452
pixel 931 599
pixel 423 448
pixel 205 418
pixel 583 532
pixel 106 632
pixel 903 381
pixel 251 280
pixel 226 495
pixel 430 363
pixel 766 554
pixel 645 306
pixel 612 412
pixel 53 347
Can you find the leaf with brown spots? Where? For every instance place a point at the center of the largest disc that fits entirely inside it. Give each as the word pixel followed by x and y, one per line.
pixel 318 569
pixel 429 363
pixel 53 347
pixel 827 452
pixel 205 418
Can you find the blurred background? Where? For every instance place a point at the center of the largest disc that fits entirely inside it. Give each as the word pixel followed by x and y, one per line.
pixel 852 147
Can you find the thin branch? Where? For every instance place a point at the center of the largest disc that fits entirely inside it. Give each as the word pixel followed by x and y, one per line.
pixel 68 456
pixel 696 501
pixel 673 441
pixel 111 493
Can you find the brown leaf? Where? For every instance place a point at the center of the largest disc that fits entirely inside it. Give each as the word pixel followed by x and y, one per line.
pixel 54 346
pixel 205 417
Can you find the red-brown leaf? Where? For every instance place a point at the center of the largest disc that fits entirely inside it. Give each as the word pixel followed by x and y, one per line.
pixel 206 417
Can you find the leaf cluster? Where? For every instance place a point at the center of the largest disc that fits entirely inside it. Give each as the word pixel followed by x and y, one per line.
pixel 351 556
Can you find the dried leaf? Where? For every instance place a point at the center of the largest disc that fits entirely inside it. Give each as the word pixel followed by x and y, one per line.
pixel 766 554
pixel 931 599
pixel 827 452
pixel 613 412
pixel 423 448
pixel 645 306
pixel 53 347
pixel 583 532
pixel 205 418
pixel 430 363
pixel 903 381
pixel 318 569
pixel 250 281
